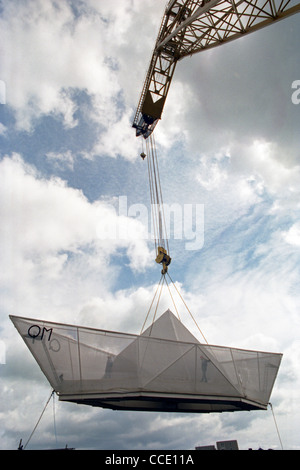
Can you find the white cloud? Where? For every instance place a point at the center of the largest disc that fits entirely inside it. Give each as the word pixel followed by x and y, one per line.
pixel 3 129
pixel 211 176
pixel 117 140
pixel 62 159
pixel 50 239
pixel 50 53
pixel 292 236
pixel 263 161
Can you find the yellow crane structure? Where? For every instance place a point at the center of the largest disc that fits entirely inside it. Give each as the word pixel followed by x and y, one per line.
pixel 192 26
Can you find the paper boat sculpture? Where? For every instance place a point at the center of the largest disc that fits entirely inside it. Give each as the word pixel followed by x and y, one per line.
pixel 164 369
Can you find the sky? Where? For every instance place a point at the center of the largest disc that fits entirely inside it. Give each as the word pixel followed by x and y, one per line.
pixel 74 246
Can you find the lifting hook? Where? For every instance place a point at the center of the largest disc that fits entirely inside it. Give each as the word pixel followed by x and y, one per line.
pixel 163 258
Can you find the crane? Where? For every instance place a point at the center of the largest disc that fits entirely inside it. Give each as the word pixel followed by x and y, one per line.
pixel 189 27
pixel 192 26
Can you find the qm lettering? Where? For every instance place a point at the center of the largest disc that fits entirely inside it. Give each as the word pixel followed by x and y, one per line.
pixel 296 94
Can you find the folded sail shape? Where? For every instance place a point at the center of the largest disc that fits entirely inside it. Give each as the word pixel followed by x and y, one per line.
pixel 164 369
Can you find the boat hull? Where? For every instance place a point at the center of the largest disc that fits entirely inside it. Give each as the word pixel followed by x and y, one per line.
pixel 164 369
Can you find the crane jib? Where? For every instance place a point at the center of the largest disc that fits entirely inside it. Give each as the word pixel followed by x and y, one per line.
pixel 189 27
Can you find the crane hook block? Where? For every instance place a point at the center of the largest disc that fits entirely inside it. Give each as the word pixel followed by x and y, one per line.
pixel 143 155
pixel 163 258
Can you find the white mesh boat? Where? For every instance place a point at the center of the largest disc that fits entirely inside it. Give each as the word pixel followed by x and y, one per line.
pixel 164 369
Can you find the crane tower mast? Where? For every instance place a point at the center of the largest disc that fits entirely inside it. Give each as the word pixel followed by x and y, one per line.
pixel 192 26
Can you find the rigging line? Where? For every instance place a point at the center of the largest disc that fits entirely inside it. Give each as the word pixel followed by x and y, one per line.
pixel 156 192
pixel 276 425
pixel 161 198
pixel 54 420
pixel 151 304
pixel 38 421
pixel 150 331
pixel 153 205
pixel 173 300
pixel 157 305
pixel 187 308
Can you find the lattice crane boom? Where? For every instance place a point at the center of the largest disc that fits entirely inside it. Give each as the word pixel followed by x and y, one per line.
pixel 192 26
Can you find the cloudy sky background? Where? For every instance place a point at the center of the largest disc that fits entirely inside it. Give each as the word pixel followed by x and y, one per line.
pixel 228 142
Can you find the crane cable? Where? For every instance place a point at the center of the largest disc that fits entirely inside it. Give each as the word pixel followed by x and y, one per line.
pixel 159 227
pixel 159 222
pixel 157 206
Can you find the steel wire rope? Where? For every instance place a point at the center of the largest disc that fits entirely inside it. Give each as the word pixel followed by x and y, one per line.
pixel 156 192
pixel 38 421
pixel 152 202
pixel 154 316
pixel 276 425
pixel 148 337
pixel 187 308
pixel 156 199
pixel 151 305
pixel 173 300
pixel 54 419
pixel 164 234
